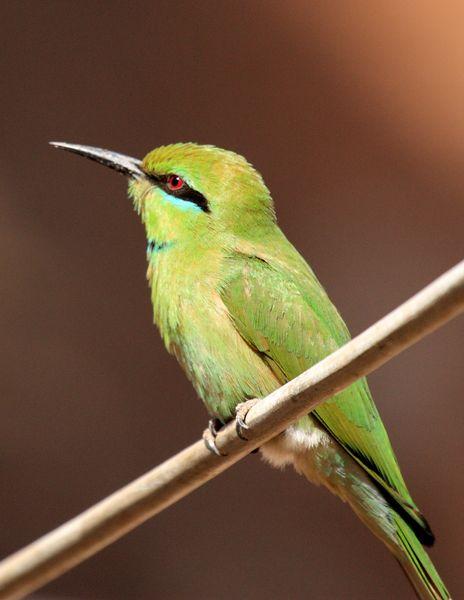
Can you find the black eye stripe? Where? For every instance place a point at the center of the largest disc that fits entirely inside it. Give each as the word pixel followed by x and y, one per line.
pixel 185 193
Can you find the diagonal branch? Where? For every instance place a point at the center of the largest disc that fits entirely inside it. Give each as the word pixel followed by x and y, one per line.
pixel 89 532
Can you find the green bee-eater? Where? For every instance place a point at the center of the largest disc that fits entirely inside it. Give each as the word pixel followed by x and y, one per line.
pixel 243 313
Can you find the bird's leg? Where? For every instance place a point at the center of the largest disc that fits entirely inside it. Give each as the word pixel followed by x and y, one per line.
pixel 209 436
pixel 241 412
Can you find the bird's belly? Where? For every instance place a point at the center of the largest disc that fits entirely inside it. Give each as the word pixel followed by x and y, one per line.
pixel 303 439
pixel 223 368
pixel 225 371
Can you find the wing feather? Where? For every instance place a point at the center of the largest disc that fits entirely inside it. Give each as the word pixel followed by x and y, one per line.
pixel 288 318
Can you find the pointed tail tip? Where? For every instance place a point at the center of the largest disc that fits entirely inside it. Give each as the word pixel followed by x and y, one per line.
pixel 417 564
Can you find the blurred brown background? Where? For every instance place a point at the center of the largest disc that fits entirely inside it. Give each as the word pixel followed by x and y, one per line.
pixel 353 111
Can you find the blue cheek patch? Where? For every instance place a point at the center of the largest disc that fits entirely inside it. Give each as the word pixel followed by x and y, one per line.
pixel 182 204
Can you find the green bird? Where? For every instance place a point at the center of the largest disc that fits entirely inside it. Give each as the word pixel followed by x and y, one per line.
pixel 243 313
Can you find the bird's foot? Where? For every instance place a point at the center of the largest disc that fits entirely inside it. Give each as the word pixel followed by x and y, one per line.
pixel 241 412
pixel 209 436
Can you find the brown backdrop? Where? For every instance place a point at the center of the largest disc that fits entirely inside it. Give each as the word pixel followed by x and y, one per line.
pixel 354 114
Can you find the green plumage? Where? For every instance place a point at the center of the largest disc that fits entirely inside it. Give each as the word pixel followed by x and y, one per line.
pixel 243 313
pixel 285 307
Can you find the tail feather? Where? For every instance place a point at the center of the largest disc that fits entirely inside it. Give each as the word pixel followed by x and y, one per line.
pixel 383 514
pixel 417 564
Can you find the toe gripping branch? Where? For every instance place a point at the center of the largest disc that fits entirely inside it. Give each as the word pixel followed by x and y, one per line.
pixel 215 425
pixel 240 416
pixel 240 424
pixel 210 434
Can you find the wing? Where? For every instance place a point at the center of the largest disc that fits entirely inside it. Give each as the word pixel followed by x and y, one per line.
pixel 287 317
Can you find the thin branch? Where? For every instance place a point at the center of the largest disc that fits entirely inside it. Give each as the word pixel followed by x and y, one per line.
pixel 86 534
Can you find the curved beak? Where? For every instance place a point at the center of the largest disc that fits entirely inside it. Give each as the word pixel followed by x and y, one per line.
pixel 119 162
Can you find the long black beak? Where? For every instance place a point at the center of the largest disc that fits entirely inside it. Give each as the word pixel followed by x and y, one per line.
pixel 119 162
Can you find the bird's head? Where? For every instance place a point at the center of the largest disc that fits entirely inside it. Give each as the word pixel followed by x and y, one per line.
pixel 186 192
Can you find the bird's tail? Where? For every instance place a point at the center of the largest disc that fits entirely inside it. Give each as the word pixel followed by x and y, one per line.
pixel 387 523
pixel 382 516
pixel 417 565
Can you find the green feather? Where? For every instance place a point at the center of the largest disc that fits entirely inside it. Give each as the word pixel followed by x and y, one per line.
pixel 275 311
pixel 419 567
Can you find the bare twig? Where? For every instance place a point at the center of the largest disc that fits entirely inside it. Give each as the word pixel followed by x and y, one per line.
pixel 86 534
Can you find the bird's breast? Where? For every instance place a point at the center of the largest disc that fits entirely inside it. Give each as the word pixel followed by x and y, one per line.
pixel 196 327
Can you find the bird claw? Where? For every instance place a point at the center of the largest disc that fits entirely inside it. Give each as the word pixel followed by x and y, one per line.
pixel 215 425
pixel 209 436
pixel 241 412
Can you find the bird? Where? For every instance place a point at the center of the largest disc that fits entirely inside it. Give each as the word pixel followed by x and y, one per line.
pixel 243 313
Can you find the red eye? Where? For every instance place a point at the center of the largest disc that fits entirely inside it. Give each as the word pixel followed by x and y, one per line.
pixel 175 183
